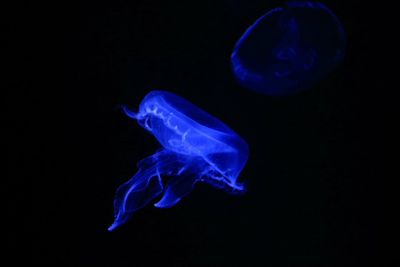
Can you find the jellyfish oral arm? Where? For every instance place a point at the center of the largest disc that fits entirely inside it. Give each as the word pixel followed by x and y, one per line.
pixel 130 113
pixel 144 186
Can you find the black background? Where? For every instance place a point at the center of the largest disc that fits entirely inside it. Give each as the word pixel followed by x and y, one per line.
pixel 313 196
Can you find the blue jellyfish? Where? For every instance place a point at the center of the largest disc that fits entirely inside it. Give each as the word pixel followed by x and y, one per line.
pixel 289 49
pixel 196 147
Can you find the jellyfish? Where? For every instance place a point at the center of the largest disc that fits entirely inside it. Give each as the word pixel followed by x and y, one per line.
pixel 196 147
pixel 289 49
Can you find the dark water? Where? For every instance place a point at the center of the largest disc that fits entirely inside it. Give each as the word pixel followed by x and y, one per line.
pixel 313 179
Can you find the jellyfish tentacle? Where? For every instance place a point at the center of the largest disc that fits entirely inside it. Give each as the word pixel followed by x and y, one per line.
pixel 217 180
pixel 144 186
pixel 130 113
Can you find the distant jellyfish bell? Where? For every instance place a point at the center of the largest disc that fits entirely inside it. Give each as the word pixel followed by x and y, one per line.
pixel 289 49
pixel 196 147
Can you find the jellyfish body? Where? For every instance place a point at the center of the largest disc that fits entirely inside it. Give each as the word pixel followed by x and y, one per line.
pixel 196 147
pixel 289 49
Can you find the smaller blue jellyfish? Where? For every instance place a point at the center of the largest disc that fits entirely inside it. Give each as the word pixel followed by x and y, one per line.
pixel 196 147
pixel 289 49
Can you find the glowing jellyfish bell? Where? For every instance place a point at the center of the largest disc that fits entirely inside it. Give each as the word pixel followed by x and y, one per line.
pixel 289 48
pixel 196 147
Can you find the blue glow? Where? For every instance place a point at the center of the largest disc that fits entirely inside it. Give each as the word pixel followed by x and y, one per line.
pixel 289 49
pixel 196 147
